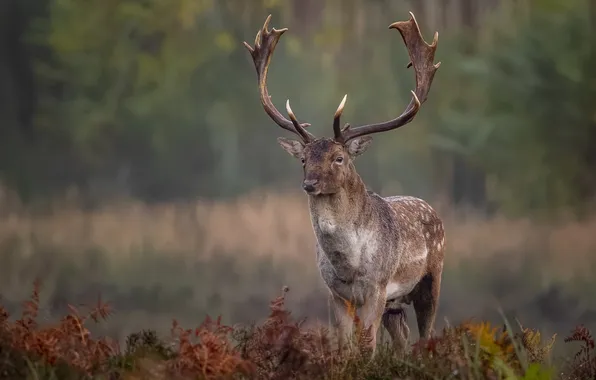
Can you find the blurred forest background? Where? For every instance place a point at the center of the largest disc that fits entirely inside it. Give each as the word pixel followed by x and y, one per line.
pixel 136 160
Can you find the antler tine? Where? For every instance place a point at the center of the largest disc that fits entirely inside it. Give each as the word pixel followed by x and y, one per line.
pixel 422 58
pixel 301 131
pixel 265 43
pixel 336 128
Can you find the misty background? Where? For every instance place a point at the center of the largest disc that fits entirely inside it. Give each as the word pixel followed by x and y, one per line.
pixel 136 160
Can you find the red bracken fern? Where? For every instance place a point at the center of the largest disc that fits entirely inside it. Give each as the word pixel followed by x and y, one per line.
pixel 211 356
pixel 584 365
pixel 282 348
pixel 69 342
pixel 278 348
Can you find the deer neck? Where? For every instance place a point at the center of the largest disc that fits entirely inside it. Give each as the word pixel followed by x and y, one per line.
pixel 342 211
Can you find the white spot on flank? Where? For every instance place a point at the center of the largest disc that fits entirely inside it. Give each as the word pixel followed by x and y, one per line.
pixel 420 257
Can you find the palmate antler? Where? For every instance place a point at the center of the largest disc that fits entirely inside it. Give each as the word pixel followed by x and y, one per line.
pixel 265 43
pixel 421 57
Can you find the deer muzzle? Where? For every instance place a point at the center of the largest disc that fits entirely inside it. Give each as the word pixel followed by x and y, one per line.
pixel 309 185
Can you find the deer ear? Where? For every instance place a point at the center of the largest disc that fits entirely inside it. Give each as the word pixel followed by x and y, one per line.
pixel 293 147
pixel 358 145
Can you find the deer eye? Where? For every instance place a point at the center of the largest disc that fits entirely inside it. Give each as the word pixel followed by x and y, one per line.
pixel 339 159
pixel 302 160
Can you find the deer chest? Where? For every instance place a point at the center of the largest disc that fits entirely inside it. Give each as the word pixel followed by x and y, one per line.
pixel 348 248
pixel 346 259
pixel 342 278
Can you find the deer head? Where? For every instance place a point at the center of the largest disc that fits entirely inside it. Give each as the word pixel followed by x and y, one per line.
pixel 328 162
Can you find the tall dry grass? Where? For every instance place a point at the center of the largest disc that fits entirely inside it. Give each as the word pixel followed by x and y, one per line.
pixel 268 224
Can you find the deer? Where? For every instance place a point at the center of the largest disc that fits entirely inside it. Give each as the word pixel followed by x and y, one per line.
pixel 375 254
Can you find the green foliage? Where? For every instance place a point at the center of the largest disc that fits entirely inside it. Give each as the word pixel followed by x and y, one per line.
pixel 158 100
pixel 127 91
pixel 527 117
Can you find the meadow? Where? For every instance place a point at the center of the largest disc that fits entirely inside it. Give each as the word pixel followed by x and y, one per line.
pixel 183 261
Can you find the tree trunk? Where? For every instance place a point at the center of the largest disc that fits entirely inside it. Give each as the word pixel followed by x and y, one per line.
pixel 468 181
pixel 468 14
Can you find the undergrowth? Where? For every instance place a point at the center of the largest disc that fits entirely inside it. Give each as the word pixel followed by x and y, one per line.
pixel 279 348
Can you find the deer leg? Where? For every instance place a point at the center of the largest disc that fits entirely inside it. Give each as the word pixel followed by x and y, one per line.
pixel 425 298
pixel 372 313
pixel 344 312
pixel 395 321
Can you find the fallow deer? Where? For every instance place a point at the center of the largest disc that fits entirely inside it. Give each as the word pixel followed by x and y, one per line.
pixel 374 254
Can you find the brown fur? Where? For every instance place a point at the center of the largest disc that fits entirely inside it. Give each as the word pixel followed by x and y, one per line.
pixel 397 232
pixel 375 254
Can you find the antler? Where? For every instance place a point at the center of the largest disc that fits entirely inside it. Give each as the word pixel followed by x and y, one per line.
pixel 421 57
pixel 265 43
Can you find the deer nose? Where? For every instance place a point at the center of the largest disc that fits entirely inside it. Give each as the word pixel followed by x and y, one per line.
pixel 309 185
